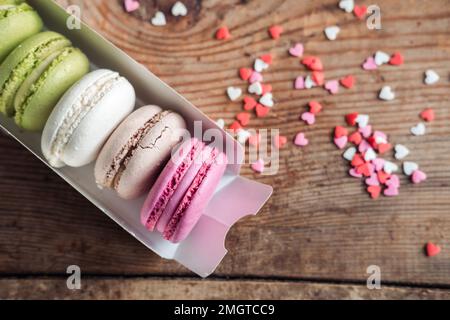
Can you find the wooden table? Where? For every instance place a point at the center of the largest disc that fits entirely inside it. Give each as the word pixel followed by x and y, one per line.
pixel 320 230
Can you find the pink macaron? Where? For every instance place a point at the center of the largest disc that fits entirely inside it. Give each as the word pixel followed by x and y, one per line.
pixel 183 190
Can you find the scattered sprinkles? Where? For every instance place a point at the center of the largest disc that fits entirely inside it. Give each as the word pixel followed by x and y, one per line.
pixel 386 94
pixel 159 19
pixel 332 32
pixel 223 33
pixel 179 9
pixel 131 5
pixel 276 31
pixel 432 249
pixel 431 77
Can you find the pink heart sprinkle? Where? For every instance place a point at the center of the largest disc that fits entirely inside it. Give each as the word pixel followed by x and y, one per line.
pixel 256 77
pixel 332 86
pixel 366 131
pixel 355 174
pixel 418 176
pixel 300 140
pixel 393 181
pixel 308 117
pixel 370 64
pixel 373 180
pixel 341 142
pixel 363 146
pixel 391 191
pixel 299 83
pixel 378 164
pixel 131 5
pixel 297 50
pixel 258 166
pixel 380 135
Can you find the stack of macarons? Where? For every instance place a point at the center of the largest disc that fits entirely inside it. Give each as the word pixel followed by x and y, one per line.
pixel 45 84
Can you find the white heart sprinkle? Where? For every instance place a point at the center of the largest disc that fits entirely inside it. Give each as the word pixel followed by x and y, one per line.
pixel 159 19
pixel 267 100
pixel 347 5
pixel 362 120
pixel 243 135
pixel 234 93
pixel 179 9
pixel 381 58
pixel 260 65
pixel 409 167
pixel 255 88
pixel 431 77
pixel 419 129
pixel 390 167
pixel 370 155
pixel 349 153
pixel 220 123
pixel 387 94
pixel 332 32
pixel 401 152
pixel 309 82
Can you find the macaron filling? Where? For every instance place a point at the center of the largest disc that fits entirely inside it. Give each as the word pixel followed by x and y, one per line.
pixel 121 160
pixel 79 110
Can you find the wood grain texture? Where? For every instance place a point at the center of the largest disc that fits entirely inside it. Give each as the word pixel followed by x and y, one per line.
pixel 165 289
pixel 319 224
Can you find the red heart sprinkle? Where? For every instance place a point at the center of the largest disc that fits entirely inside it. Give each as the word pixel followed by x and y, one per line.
pixel 279 141
pixel 315 107
pixel 340 132
pixel 373 142
pixel 351 118
pixel 245 73
pixel 357 160
pixel 383 177
pixel 384 147
pixel 355 138
pixel 396 59
pixel 348 82
pixel 318 77
pixel 432 249
pixel 223 33
pixel 360 11
pixel 267 58
pixel 276 31
pixel 364 169
pixel 313 63
pixel 427 115
pixel 243 118
pixel 235 126
pixel 249 103
pixel 261 111
pixel 374 191
pixel 266 88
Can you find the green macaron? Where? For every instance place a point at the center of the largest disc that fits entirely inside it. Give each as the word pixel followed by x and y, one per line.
pixel 18 21
pixel 36 74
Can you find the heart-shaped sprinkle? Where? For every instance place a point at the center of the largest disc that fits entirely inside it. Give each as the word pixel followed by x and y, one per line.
pixel 279 141
pixel 267 100
pixel 249 103
pixel 390 167
pixel 179 9
pixel 372 180
pixel 393 181
pixel 318 77
pixel 432 249
pixel 409 167
pixel 396 59
pixel 266 88
pixel 223 33
pixel 245 73
pixel 383 177
pixel 374 191
pixel 419 129
pixel 357 160
pixel 332 86
pixel 235 126
pixel 378 164
pixel 255 77
pixel 366 169
pixel 366 131
pixel 267 58
pixel 299 83
pixel 351 118
pixel 349 153
pixel 254 140
pixel 340 131
pixel 387 94
pixel 315 107
pixel 348 81
pixel 355 138
pixel 380 137
pixel 234 93
pixel 220 123
pixel 131 5
pixel 275 31
pixel 243 118
pixel 341 142
pixel 261 111
pixel 370 64
pixel 362 120
pixel 384 147
pixel 418 176
pixel 255 88
pixel 300 140
pixel 431 77
pixel 309 82
pixel 260 65
pixel 308 117
pixel 258 166
pixel 296 50
pixel 401 151
pixel 159 19
pixel 332 32
pixel 381 58
pixel 313 63
pixel 370 155
pixel 363 146
pixel 360 11
pixel 347 5
pixel 427 115
pixel 391 191
pixel 352 172
pixel 242 136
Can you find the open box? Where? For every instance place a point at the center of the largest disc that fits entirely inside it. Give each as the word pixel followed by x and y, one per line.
pixel 234 198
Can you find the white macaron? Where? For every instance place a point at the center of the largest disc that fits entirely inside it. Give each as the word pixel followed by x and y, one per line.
pixel 85 117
